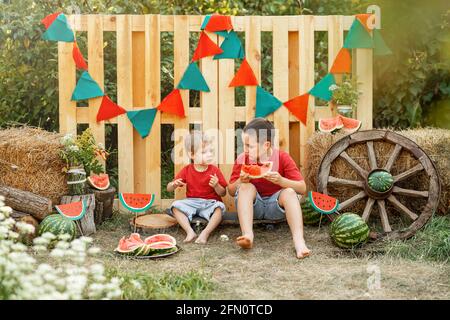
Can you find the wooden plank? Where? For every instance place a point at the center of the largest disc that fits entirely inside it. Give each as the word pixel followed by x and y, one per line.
pixel 96 70
pixel 335 43
pixel 306 66
pixel 152 97
pixel 281 79
pixel 125 100
pixel 181 61
pixel 294 86
pixel 253 56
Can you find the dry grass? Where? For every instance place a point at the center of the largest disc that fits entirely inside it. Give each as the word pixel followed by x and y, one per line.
pixel 29 161
pixel 270 270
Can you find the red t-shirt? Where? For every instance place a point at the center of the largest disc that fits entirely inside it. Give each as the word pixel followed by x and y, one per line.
pixel 282 162
pixel 197 183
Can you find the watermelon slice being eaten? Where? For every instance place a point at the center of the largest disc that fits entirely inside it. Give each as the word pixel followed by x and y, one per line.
pixel 256 171
pixel 72 211
pixel 99 181
pixel 136 202
pixel 323 203
pixel 339 122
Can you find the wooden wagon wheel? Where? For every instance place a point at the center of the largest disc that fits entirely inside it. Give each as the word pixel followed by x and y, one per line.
pixel 417 219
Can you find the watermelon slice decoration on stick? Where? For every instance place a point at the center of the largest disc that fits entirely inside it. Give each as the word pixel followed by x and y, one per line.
pixel 256 171
pixel 72 211
pixel 136 202
pixel 323 203
pixel 339 122
pixel 99 181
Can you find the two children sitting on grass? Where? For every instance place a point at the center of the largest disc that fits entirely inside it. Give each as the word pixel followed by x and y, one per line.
pixel 272 197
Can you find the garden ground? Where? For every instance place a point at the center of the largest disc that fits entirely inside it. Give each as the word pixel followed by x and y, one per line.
pixel 220 270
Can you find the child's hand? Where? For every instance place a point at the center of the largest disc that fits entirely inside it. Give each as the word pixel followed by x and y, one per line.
pixel 178 183
pixel 213 181
pixel 274 177
pixel 244 177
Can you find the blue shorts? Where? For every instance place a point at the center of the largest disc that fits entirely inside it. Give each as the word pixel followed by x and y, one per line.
pixel 197 207
pixel 265 208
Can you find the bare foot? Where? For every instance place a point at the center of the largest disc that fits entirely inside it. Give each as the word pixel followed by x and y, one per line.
pixel 190 237
pixel 202 238
pixel 245 242
pixel 302 250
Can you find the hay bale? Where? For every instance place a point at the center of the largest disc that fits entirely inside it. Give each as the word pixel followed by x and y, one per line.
pixel 435 142
pixel 29 160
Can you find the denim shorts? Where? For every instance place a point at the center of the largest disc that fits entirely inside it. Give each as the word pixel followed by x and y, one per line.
pixel 197 207
pixel 265 208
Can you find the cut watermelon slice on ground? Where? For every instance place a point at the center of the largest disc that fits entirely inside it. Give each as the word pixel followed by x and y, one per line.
pixel 136 202
pixel 130 245
pixel 160 238
pixel 339 122
pixel 72 211
pixel 323 203
pixel 256 171
pixel 99 181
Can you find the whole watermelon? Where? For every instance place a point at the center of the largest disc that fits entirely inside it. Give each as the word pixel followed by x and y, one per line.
pixel 349 230
pixel 57 224
pixel 310 216
pixel 380 181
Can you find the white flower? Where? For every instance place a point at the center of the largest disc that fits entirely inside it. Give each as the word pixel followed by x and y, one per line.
pixel 74 148
pixel 333 87
pixel 93 251
pixel 25 227
pixel 48 236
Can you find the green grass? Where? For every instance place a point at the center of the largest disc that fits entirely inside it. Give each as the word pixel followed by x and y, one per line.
pixel 432 243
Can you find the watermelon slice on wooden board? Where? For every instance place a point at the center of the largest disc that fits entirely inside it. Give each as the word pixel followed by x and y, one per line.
pixel 257 171
pixel 72 211
pixel 136 202
pixel 323 203
pixel 339 122
pixel 99 181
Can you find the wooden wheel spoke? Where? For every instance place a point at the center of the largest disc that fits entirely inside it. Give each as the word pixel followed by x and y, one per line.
pixel 368 209
pixel 372 157
pixel 404 175
pixel 363 173
pixel 346 182
pixel 352 200
pixel 383 216
pixel 401 207
pixel 410 193
pixel 398 148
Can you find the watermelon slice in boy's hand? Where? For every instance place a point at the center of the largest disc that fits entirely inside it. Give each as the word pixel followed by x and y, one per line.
pixel 256 171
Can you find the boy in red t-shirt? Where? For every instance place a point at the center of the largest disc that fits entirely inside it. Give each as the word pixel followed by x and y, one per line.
pixel 273 196
pixel 205 185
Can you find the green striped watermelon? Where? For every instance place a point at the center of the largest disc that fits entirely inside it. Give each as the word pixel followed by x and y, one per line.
pixel 380 180
pixel 57 224
pixel 310 215
pixel 136 202
pixel 349 230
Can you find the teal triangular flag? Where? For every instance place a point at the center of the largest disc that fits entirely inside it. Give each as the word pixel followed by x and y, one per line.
pixel 193 79
pixel 322 88
pixel 224 34
pixel 380 47
pixel 358 37
pixel 232 47
pixel 205 21
pixel 266 103
pixel 86 88
pixel 142 120
pixel 59 30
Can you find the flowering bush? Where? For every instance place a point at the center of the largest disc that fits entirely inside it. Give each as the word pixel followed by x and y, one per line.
pixel 66 275
pixel 346 93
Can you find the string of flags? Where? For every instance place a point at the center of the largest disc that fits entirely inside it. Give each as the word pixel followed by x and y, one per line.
pixel 359 36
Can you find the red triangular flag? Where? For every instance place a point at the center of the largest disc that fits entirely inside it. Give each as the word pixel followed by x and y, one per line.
pixel 78 57
pixel 173 103
pixel 218 22
pixel 108 109
pixel 363 17
pixel 48 20
pixel 205 47
pixel 343 62
pixel 244 76
pixel 298 106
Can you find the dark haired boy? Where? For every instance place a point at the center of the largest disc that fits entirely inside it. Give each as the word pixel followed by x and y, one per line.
pixel 272 197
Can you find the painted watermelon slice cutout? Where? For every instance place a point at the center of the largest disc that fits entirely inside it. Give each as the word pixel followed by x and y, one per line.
pixel 256 171
pixel 339 122
pixel 72 211
pixel 323 203
pixel 99 181
pixel 136 202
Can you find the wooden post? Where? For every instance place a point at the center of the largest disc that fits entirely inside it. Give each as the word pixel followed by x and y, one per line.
pixel 253 56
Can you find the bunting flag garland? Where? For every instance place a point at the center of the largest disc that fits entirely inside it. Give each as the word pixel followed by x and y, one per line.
pixel 205 21
pixel 205 47
pixel 173 103
pixel 217 22
pixel 78 57
pixel 142 120
pixel 358 37
pixel 266 103
pixel 193 79
pixel 298 106
pixel 48 20
pixel 108 109
pixel 59 30
pixel 342 63
pixel 86 88
pixel 380 47
pixel 322 88
pixel 232 47
pixel 363 18
pixel 224 34
pixel 244 76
